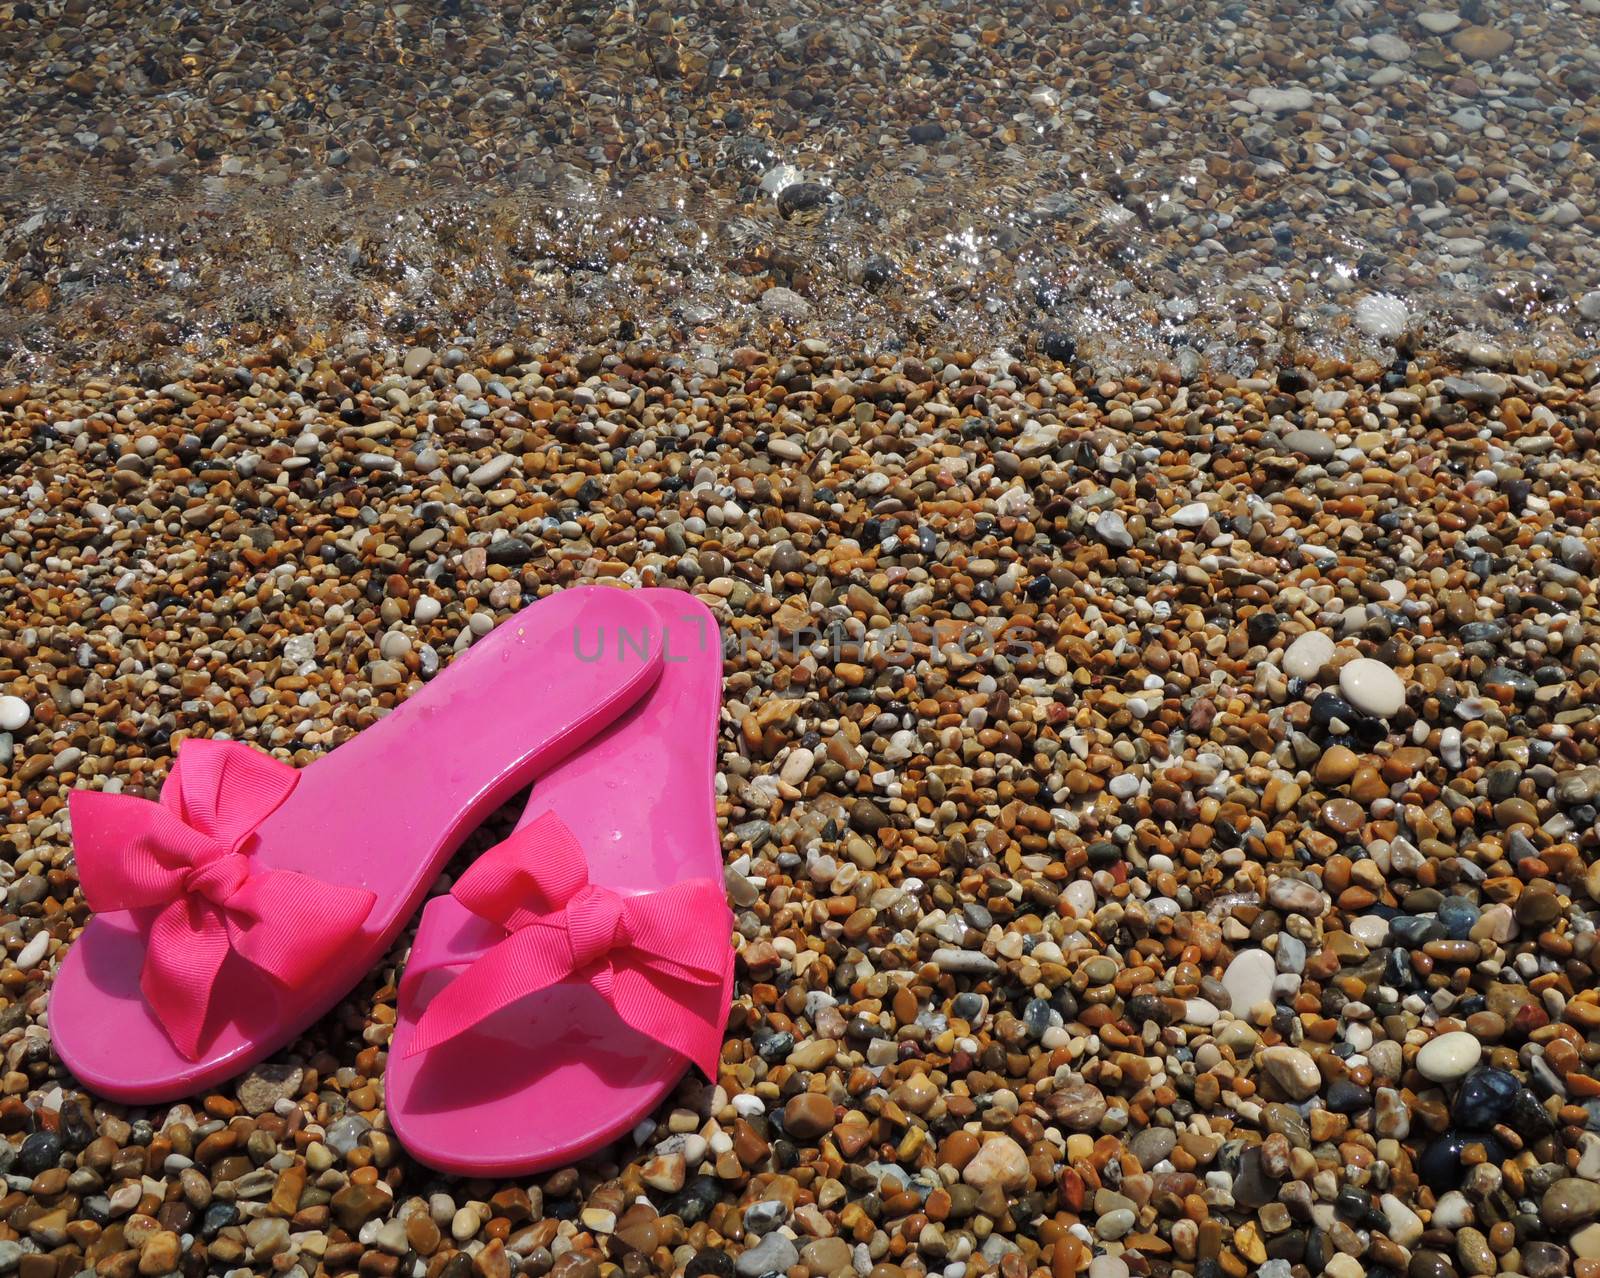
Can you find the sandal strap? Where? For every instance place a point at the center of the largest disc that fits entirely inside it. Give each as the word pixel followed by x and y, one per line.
pixel 661 959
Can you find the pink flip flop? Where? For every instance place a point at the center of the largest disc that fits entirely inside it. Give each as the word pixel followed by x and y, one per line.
pixel 244 905
pixel 577 969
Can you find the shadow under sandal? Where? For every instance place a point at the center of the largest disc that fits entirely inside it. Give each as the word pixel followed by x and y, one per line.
pixel 575 971
pixel 241 907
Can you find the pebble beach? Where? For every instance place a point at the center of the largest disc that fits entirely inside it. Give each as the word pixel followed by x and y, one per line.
pixel 1143 460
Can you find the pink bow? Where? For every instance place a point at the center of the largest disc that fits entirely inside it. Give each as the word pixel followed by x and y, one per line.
pixel 660 959
pixel 182 856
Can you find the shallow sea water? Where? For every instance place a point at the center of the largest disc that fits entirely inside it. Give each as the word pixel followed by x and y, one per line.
pixel 1201 183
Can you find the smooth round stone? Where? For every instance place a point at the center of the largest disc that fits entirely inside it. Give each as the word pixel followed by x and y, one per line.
pixel 14 713
pixel 1114 1224
pixel 1313 443
pixel 1370 929
pixel 1405 1226
pixel 1108 1267
pixel 1293 1070
pixel 1458 916
pixel 1453 1210
pixel 1192 515
pixel 1281 101
pixel 1342 815
pixel 1307 655
pixel 1111 529
pixel 1546 1260
pixel 1079 896
pixel 1570 1202
pixel 774 1254
pixel 1449 1057
pixel 1152 1145
pixel 999 1161
pixel 426 610
pixel 1248 980
pixel 1481 43
pixel 1197 1011
pixel 1297 897
pixel 1100 970
pixel 822 1256
pixel 808 1116
pixel 1427 1263
pixel 1372 688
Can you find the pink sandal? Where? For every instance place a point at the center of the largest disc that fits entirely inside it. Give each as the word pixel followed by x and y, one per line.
pixel 244 905
pixel 577 969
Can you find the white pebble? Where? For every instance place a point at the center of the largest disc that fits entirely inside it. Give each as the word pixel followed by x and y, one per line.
pixel 1248 980
pixel 14 713
pixel 1372 688
pixel 1391 48
pixel 1307 655
pixel 1079 897
pixel 32 954
pixel 1197 1011
pixel 426 610
pixel 1449 1057
pixel 1450 747
pixel 1281 101
pixel 1453 1211
pixel 1405 1226
pixel 1382 316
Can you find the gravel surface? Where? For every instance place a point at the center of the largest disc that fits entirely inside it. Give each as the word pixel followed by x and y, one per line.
pixel 1160 814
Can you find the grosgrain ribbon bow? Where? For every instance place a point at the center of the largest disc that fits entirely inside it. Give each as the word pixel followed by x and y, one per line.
pixel 183 857
pixel 660 959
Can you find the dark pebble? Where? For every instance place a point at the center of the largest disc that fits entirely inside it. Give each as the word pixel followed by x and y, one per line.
pixel 511 551
pixel 1430 1264
pixel 217 1218
pixel 693 1201
pixel 1485 1098
pixel 1346 1097
pixel 709 1263
pixel 1330 706
pixel 1413 933
pixel 1458 915
pixel 1441 1167
pixel 1058 346
pixel 40 1152
pixel 967 1006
